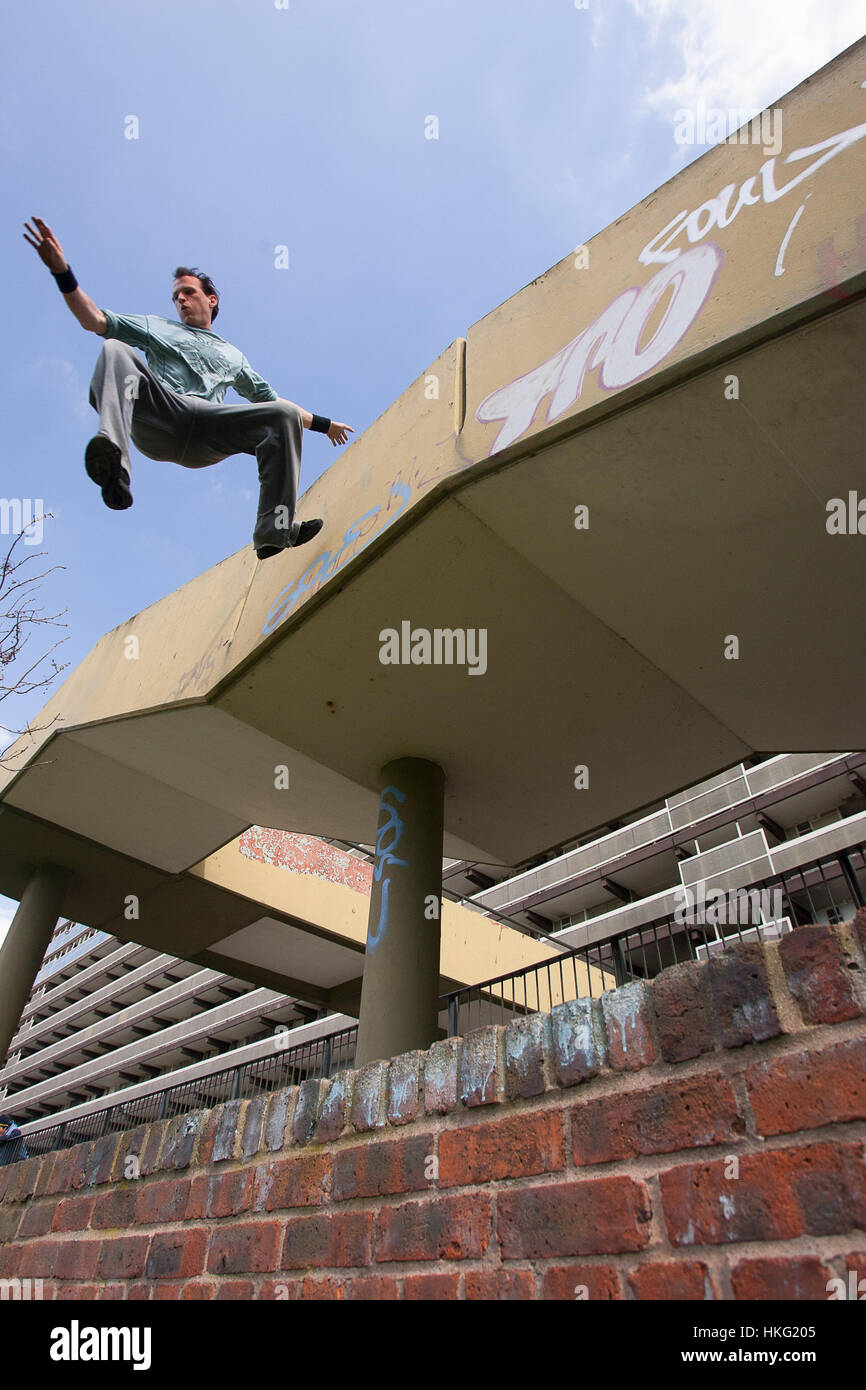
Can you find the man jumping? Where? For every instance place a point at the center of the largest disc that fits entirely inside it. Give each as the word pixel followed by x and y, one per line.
pixel 171 406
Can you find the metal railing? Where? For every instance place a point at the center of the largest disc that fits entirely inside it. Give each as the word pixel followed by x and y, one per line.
pixel 831 889
pixel 320 1057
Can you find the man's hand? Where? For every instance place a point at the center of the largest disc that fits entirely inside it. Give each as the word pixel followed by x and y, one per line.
pixel 339 434
pixel 46 243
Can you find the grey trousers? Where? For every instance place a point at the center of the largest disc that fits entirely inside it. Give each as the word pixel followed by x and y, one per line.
pixel 134 404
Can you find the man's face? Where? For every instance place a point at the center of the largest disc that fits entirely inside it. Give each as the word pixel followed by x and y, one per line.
pixel 193 306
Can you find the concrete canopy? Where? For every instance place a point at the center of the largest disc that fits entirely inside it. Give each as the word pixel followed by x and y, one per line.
pixel 690 379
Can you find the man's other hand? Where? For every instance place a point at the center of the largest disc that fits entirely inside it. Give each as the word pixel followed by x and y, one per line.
pixel 339 434
pixel 46 243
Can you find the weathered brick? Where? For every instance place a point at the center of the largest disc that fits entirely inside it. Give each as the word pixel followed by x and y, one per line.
pixel 304 1180
pixel 140 1292
pixel 180 1140
pixel 481 1067
pixel 252 1247
pixel 167 1291
pixel 121 1257
pixel 819 1189
pixel 115 1208
pixel 516 1147
pixel 253 1122
pixel 75 1259
pixel 334 1112
pixel 742 997
pixel 152 1147
pixel 12 1217
pixel 795 1277
pixel 683 1006
pixel 859 926
pixel 683 1114
pixel 177 1254
pixel 627 1014
pixel 162 1202
pixel 372 1288
pixel 307 1109
pixel 38 1220
pixel 500 1284
pixel 368 1087
pixel 446 1228
pixel 233 1289
pixel 382 1167
pixel 197 1198
pixel 57 1176
pixel 339 1241
pixel 71 1215
pixel 526 1045
pixel 101 1160
pixel 127 1158
pixel 816 971
pixel 111 1293
pixel 230 1193
pixel 53 1175
pixel 280 1106
pixel 79 1292
pixel 440 1076
pixel 225 1142
pixel 581 1283
pixel 604 1216
pixel 328 1289
pixel 404 1078
pixel 680 1280
pixel 431 1286
pixel 198 1291
pixel 26 1175
pixel 809 1089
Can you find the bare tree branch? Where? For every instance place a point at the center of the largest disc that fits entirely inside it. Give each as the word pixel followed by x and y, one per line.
pixel 19 615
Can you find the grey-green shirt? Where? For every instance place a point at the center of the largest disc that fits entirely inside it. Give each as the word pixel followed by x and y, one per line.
pixel 191 361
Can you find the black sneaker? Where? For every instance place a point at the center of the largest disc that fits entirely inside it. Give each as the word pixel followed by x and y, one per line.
pixel 104 464
pixel 306 531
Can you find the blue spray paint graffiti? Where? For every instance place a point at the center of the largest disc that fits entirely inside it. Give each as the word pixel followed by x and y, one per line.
pixel 391 824
pixel 357 537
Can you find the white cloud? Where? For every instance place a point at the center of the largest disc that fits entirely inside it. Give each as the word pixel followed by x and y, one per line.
pixel 744 54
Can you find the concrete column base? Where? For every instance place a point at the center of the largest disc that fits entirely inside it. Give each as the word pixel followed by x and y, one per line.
pixel 400 991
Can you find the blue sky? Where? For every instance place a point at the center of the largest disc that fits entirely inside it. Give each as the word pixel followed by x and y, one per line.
pixel 261 125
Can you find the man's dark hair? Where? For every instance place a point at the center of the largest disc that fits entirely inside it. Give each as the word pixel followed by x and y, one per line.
pixel 205 281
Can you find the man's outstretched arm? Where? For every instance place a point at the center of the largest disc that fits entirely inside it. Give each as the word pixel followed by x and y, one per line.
pixel 337 432
pixel 89 315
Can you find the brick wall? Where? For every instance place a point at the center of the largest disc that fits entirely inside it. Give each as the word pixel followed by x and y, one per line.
pixel 701 1137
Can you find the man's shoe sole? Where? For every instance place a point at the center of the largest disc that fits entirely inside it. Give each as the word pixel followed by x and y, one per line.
pixel 306 531
pixel 104 464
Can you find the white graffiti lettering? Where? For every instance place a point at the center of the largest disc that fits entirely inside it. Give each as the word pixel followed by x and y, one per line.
pixel 714 213
pixel 611 344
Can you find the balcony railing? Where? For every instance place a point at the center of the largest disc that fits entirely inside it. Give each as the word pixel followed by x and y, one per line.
pixel 829 889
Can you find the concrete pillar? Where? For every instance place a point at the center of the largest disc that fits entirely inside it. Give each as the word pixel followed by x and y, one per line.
pixel 26 943
pixel 400 990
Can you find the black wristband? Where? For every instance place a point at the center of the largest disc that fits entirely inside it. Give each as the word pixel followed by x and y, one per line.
pixel 66 281
pixel 321 424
